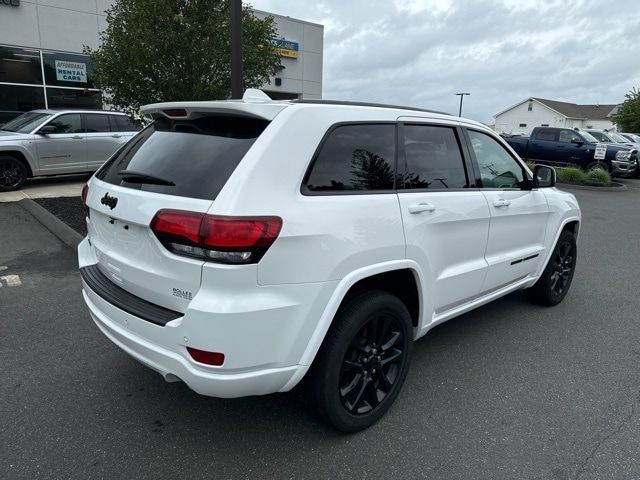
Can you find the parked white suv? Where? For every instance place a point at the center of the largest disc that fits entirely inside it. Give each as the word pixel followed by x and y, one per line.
pixel 51 142
pixel 241 245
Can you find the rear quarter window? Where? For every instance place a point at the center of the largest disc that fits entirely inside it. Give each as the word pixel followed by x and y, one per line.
pixel 354 158
pixel 198 156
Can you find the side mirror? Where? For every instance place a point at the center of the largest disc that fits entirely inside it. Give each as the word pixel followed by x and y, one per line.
pixel 46 130
pixel 577 141
pixel 544 176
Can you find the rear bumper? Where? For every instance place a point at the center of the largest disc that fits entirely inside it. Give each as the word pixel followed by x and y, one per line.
pixel 173 366
pixel 262 330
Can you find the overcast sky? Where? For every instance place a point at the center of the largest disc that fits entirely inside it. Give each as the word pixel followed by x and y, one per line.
pixel 421 52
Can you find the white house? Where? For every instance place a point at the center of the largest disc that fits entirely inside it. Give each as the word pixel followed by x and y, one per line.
pixel 539 112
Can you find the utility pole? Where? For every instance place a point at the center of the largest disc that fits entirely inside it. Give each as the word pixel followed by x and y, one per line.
pixel 237 84
pixel 461 97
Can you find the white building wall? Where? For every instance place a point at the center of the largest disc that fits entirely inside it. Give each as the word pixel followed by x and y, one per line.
pixel 68 25
pixel 64 25
pixel 510 121
pixel 301 76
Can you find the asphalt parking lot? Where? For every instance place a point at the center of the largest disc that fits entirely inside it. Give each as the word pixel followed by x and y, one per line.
pixel 508 391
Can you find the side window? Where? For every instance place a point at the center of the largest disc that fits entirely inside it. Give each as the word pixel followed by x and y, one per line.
pixel 68 123
pixel 567 136
pixel 124 124
pixel 355 158
pixel 96 123
pixel 432 158
pixel 498 169
pixel 547 134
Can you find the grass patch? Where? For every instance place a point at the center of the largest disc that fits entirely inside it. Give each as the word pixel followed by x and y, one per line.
pixel 599 175
pixel 570 174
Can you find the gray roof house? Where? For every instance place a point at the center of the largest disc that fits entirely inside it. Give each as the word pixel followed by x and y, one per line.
pixel 541 112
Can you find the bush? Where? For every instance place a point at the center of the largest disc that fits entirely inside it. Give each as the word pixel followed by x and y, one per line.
pixel 530 164
pixel 599 175
pixel 570 174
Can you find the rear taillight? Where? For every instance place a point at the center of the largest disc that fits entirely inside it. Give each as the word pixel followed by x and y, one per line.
pixel 83 195
pixel 217 238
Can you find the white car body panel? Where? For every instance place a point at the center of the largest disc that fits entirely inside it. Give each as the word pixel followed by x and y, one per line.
pixel 271 318
pixel 63 153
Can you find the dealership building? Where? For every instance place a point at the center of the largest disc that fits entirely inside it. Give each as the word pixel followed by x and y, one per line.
pixel 42 66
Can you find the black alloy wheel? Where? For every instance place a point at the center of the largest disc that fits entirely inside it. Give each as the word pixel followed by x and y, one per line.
pixel 562 267
pixel 554 283
pixel 12 174
pixel 371 365
pixel 363 362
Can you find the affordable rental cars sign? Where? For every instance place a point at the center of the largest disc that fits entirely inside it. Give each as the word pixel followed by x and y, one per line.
pixel 71 71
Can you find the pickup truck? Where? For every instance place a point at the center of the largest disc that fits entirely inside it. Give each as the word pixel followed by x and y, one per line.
pixel 565 147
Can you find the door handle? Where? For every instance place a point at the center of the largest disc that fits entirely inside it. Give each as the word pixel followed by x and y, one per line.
pixel 421 207
pixel 77 137
pixel 501 202
pixel 116 136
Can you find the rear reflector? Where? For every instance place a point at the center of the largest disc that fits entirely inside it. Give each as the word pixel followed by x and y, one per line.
pixel 208 358
pixel 233 240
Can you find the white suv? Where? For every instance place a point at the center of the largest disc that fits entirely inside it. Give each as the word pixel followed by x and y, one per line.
pixel 240 246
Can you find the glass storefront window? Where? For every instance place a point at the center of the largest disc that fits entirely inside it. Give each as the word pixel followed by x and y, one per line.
pixel 67 70
pixel 65 98
pixel 15 100
pixel 20 65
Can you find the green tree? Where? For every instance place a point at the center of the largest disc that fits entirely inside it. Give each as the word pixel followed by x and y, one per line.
pixel 172 50
pixel 628 116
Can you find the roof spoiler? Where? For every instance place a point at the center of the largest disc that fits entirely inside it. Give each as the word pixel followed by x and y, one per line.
pixel 254 104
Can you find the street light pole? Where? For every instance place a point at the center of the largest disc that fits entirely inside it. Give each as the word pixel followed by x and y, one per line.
pixel 237 84
pixel 461 97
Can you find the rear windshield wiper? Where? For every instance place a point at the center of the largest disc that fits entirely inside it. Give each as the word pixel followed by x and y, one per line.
pixel 132 176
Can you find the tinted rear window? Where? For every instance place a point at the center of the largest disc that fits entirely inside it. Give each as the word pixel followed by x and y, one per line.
pixel 124 124
pixel 432 158
pixel 96 123
pixel 355 157
pixel 198 156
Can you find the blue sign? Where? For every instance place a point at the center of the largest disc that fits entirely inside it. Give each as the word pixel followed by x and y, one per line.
pixel 286 48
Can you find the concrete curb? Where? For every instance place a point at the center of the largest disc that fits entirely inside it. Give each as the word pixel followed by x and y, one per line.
pixel 620 187
pixel 64 232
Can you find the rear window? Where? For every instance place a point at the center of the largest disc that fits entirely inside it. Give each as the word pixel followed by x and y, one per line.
pixel 124 124
pixel 546 134
pixel 354 158
pixel 198 156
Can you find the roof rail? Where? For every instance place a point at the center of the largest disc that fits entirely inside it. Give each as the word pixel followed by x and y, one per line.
pixel 365 104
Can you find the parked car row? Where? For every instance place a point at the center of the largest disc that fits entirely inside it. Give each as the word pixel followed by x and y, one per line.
pixel 579 148
pixel 50 142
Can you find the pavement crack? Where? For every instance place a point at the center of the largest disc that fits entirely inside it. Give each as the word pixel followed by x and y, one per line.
pixel 613 433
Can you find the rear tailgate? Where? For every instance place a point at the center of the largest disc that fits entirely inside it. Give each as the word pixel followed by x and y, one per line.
pixel 176 164
pixel 128 252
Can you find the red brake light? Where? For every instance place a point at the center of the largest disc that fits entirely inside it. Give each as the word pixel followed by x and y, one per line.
pixel 235 240
pixel 84 194
pixel 179 225
pixel 209 358
pixel 235 233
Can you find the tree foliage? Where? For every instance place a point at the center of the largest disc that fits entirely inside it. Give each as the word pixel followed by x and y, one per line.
pixel 171 50
pixel 628 116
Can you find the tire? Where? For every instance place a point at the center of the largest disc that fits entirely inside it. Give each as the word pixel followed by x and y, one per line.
pixel 555 281
pixel 597 164
pixel 363 361
pixel 13 174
